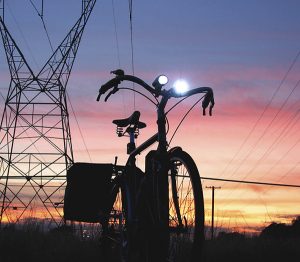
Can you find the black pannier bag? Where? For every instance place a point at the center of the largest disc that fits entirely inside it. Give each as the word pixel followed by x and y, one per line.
pixel 87 192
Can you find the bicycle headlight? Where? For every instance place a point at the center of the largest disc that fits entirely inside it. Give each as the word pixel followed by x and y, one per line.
pixel 181 86
pixel 160 81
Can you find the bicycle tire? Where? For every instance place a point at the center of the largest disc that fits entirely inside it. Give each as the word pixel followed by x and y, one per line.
pixel 186 241
pixel 185 204
pixel 130 233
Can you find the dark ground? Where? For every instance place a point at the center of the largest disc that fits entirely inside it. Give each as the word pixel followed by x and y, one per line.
pixel 253 249
pixel 34 246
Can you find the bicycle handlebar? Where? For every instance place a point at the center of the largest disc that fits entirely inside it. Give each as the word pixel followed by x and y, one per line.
pixel 208 98
pixel 114 83
pixel 108 85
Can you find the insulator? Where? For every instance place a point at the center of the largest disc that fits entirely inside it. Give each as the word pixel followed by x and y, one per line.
pixel 119 131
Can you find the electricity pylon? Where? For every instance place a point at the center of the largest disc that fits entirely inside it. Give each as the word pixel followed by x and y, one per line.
pixel 35 139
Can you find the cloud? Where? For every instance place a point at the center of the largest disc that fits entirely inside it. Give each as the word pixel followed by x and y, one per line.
pixel 288 216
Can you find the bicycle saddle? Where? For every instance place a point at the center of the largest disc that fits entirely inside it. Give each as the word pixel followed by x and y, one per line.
pixel 132 120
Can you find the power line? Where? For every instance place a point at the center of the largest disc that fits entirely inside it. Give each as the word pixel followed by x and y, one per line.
pixel 131 34
pixel 249 182
pixel 35 8
pixel 47 34
pixel 82 137
pixel 131 44
pixel 289 171
pixel 262 135
pixel 263 112
pixel 264 132
pixel 41 15
pixel 283 155
pixel 269 149
pixel 22 35
pixel 118 50
pixel 116 33
pixel 289 149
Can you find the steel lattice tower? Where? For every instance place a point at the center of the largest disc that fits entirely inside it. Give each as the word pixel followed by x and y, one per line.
pixel 35 138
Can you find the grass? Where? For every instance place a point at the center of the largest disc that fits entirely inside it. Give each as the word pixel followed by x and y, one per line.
pixel 32 244
pixel 253 250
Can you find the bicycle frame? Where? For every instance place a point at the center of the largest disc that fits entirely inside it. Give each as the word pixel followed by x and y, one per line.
pixel 159 137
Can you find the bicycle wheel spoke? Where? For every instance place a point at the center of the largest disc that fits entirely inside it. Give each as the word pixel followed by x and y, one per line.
pixel 189 194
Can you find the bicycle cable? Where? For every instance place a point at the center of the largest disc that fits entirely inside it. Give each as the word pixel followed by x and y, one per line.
pixel 183 116
pixel 168 125
pixel 176 104
pixel 131 89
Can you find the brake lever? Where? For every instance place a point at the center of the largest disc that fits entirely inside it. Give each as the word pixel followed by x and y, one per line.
pixel 98 97
pixel 212 104
pixel 208 100
pixel 111 93
pixel 210 110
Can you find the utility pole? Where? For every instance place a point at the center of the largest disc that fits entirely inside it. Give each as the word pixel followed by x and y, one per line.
pixel 212 208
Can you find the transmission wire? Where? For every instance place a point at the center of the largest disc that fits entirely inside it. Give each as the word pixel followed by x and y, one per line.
pixel 22 35
pixel 77 122
pixel 35 8
pixel 258 120
pixel 266 129
pixel 41 15
pixel 271 147
pixel 282 157
pixel 116 33
pixel 118 51
pixel 131 44
pixel 264 111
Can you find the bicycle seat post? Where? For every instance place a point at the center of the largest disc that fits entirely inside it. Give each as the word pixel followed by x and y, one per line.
pixel 131 144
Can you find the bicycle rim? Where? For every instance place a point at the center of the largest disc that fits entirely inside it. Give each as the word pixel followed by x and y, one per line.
pixel 186 209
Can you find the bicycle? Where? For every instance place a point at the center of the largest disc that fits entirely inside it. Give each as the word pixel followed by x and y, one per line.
pixel 161 209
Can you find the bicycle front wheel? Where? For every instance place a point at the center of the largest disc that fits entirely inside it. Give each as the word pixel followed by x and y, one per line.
pixel 186 209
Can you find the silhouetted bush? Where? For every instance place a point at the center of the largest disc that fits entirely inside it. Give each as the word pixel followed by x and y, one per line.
pixel 230 236
pixel 296 227
pixel 281 230
pixel 275 230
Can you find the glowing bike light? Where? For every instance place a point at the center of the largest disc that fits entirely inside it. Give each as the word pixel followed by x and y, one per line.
pixel 160 81
pixel 181 86
pixel 163 80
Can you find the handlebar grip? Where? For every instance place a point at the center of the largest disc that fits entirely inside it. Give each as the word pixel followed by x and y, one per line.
pixel 98 97
pixel 208 99
pixel 111 93
pixel 110 84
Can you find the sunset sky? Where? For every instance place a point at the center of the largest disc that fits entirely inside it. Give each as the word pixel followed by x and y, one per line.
pixel 242 49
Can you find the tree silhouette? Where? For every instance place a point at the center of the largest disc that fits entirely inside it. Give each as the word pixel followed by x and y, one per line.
pixel 281 230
